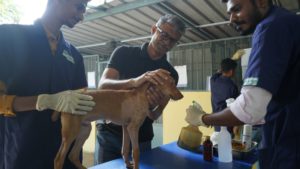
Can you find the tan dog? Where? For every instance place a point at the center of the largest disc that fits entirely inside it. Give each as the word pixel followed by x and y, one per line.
pixel 128 108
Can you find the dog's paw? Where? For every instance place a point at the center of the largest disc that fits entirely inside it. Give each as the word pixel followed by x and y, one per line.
pixel 129 165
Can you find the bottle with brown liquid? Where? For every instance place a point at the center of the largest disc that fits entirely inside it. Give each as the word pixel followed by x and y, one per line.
pixel 207 149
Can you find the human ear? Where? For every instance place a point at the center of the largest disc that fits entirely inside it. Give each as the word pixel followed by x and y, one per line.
pixel 153 29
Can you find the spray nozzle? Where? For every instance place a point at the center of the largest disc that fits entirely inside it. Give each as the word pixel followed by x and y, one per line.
pixel 197 105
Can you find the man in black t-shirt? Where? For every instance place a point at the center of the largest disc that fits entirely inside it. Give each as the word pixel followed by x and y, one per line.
pixel 129 67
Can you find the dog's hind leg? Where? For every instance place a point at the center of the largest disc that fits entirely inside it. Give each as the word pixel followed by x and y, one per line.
pixel 70 128
pixel 61 155
pixel 81 138
pixel 126 147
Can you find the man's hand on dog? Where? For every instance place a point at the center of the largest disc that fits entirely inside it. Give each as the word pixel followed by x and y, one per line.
pixel 156 77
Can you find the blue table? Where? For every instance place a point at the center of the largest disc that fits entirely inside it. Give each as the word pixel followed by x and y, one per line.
pixel 170 156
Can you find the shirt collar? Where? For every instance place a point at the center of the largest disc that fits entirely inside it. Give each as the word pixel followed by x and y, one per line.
pixel 51 36
pixel 61 41
pixel 145 54
pixel 270 10
pixel 144 49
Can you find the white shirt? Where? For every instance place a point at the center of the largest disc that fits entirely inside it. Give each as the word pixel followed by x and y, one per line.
pixel 251 106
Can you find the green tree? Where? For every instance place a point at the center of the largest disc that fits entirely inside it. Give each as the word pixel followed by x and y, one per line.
pixel 9 12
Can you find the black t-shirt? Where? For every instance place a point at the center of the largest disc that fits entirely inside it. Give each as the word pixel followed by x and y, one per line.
pixel 132 62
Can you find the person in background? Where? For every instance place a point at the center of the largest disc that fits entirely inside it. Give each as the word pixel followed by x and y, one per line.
pixel 41 73
pixel 222 88
pixel 270 93
pixel 128 68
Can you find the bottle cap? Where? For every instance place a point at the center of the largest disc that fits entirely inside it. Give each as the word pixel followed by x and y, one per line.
pixel 223 128
pixel 197 105
pixel 229 101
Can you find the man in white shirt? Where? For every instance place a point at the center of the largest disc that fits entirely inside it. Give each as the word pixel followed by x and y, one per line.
pixel 270 93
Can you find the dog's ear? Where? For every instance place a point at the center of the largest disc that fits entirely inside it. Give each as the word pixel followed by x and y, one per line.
pixel 55 116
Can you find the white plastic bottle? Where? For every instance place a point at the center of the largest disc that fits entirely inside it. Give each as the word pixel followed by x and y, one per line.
pixel 224 141
pixel 229 101
pixel 224 146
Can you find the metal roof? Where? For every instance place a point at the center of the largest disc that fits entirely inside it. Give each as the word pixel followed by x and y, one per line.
pixel 129 22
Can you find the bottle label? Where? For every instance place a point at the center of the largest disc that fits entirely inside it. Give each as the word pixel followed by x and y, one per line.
pixel 247 132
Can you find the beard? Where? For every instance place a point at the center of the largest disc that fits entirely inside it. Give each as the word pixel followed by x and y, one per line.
pixel 253 21
pixel 248 31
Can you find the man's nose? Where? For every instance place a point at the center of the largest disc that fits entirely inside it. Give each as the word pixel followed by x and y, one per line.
pixel 232 18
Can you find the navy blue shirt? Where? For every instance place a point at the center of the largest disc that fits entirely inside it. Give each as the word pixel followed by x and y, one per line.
pixel 274 65
pixel 27 67
pixel 132 62
pixel 222 88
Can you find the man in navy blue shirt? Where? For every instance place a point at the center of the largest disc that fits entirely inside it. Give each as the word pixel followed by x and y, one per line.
pixel 270 93
pixel 222 87
pixel 41 72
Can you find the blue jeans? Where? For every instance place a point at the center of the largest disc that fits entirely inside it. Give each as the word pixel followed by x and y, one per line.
pixel 109 145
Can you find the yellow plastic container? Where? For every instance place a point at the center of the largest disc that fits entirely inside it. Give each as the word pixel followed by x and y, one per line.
pixel 190 138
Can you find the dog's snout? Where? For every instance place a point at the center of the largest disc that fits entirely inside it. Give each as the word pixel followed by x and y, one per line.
pixel 177 95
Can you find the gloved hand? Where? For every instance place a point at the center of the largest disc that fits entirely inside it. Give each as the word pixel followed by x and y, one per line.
pixel 194 115
pixel 70 101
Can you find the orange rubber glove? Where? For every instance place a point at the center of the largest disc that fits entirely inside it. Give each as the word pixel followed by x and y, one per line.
pixel 6 107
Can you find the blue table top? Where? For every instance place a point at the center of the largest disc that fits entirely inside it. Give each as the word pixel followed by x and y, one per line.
pixel 170 156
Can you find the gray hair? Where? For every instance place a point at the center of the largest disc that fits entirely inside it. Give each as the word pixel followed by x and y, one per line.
pixel 173 20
